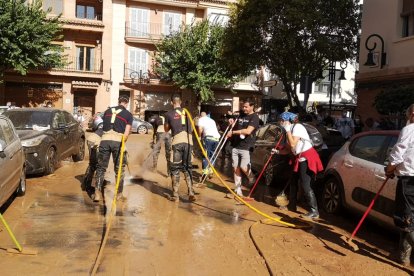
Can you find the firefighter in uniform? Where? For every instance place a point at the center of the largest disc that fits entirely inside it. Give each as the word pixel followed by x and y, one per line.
pixel 93 141
pixel 160 135
pixel 182 144
pixel 117 122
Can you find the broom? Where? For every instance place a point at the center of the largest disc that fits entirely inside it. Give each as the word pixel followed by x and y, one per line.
pixel 19 249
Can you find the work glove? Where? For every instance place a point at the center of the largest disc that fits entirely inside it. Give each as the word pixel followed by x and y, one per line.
pixel 275 151
pixel 287 126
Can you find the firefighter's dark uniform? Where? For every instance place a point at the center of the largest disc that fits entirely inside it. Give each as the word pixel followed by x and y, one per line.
pixel 115 120
pixel 182 144
pixel 161 136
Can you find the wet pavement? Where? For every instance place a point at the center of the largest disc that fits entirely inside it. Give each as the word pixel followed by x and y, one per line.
pixel 153 236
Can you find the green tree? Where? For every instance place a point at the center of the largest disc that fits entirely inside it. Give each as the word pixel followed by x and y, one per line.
pixel 292 38
pixel 394 99
pixel 191 59
pixel 26 34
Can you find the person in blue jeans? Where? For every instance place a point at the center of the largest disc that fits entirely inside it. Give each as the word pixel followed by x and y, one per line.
pixel 207 128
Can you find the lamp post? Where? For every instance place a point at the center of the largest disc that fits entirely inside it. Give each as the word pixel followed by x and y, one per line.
pixel 370 58
pixel 332 75
pixel 142 78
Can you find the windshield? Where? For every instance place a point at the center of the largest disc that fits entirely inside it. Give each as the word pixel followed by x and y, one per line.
pixel 29 119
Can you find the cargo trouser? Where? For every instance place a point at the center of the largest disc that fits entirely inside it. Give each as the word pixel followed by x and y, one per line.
pixel 166 138
pixel 181 162
pixel 106 149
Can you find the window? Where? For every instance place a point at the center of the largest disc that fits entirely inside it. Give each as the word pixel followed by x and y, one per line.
pixel 85 58
pixel 69 118
pixel 58 120
pixel 6 133
pixel 218 18
pixel 407 18
pixel 87 12
pixel 138 59
pixel 172 22
pixel 55 6
pixel 139 22
pixel 368 147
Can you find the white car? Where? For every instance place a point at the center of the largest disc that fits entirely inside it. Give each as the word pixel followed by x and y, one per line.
pixel 12 162
pixel 356 172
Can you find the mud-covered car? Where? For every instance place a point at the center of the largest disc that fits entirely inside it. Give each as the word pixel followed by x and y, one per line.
pixel 48 136
pixel 356 172
pixel 12 162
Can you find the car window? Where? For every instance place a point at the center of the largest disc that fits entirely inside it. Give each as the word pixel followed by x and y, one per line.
pixel 260 133
pixel 7 134
pixel 391 144
pixel 272 133
pixel 368 147
pixel 58 118
pixel 69 118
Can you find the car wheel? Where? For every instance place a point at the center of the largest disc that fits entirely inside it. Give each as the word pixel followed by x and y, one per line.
pixel 80 155
pixel 142 129
pixel 332 196
pixel 21 190
pixel 50 161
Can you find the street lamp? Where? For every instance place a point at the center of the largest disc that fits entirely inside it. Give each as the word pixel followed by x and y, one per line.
pixel 370 59
pixel 332 75
pixel 142 78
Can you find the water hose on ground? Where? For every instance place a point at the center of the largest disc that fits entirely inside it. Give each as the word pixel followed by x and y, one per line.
pixel 112 212
pixel 276 219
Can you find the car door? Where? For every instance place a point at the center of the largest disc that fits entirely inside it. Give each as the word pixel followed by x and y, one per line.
pixel 74 133
pixel 359 168
pixel 10 159
pixel 256 157
pixel 384 206
pixel 61 134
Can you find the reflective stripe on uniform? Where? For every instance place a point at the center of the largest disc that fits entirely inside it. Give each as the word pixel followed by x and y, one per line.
pixel 182 114
pixel 114 113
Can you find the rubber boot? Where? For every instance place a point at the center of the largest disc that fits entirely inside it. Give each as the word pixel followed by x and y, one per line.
pixel 311 198
pixel 175 186
pixel 404 248
pixel 293 198
pixel 168 167
pixel 96 197
pixel 87 179
pixel 189 181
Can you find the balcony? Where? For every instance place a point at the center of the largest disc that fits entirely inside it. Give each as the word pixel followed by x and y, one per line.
pixel 143 32
pixel 77 65
pixel 147 77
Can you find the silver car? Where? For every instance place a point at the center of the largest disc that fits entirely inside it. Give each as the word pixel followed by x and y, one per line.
pixel 12 162
pixel 140 126
pixel 356 172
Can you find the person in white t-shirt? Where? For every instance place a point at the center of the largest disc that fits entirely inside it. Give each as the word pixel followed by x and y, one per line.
pixel 306 162
pixel 207 129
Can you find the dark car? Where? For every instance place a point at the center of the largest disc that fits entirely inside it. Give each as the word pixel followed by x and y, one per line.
pixel 48 135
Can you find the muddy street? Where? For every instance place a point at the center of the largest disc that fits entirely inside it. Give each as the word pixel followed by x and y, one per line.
pixel 151 235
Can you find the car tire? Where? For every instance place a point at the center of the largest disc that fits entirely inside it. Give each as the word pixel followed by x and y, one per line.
pixel 80 155
pixel 21 190
pixel 331 199
pixel 50 161
pixel 142 129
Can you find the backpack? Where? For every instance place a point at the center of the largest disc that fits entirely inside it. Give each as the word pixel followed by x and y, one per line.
pixel 314 135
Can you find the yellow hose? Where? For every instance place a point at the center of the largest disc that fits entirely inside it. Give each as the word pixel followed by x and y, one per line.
pixel 112 212
pixel 276 219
